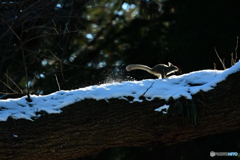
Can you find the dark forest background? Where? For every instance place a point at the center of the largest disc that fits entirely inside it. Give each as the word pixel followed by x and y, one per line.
pixel 78 43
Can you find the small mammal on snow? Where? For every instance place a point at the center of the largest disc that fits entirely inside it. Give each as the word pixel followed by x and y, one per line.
pixel 160 70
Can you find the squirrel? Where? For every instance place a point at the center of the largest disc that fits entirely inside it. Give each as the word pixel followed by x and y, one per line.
pixel 160 70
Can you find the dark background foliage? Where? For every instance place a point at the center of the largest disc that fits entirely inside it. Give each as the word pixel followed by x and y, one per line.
pixel 87 42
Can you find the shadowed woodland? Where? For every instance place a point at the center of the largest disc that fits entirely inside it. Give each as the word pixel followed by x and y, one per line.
pixel 46 46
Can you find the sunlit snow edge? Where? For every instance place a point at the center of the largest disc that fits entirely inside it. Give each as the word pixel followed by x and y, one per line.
pixel 174 86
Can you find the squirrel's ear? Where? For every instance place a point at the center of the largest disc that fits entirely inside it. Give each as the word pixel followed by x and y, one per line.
pixel 169 64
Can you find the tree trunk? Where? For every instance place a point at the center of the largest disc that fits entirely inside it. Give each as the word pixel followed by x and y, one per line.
pixel 89 126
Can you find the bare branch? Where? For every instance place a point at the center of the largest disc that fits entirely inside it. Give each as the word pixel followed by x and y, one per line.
pixel 14 83
pixel 232 60
pixel 57 83
pixel 55 27
pixel 9 93
pixel 220 59
pixel 24 64
pixel 13 31
pixel 60 61
pixel 46 35
pixel 55 55
pixel 236 50
pixel 7 86
pixel 147 90
pixel 36 27
pixel 30 7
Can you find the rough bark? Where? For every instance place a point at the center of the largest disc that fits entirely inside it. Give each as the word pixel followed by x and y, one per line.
pixel 89 126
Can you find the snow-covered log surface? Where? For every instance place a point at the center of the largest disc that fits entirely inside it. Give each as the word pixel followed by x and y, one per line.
pixel 175 86
pixel 90 125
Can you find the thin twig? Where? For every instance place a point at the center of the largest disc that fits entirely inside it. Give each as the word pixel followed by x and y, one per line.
pixel 24 64
pixel 9 93
pixel 55 27
pixel 55 59
pixel 32 6
pixel 57 83
pixel 35 27
pixel 220 59
pixel 232 60
pixel 147 90
pixel 26 75
pixel 236 50
pixel 66 28
pixel 59 61
pixel 46 35
pixel 55 55
pixel 13 31
pixel 7 77
pixel 14 83
pixel 7 86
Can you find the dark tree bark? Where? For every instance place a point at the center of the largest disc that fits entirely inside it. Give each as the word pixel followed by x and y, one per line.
pixel 89 126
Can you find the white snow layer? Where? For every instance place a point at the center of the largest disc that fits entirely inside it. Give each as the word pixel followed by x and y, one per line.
pixel 174 86
pixel 159 109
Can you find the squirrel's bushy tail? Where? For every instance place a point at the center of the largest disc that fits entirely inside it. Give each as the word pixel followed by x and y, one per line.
pixel 138 66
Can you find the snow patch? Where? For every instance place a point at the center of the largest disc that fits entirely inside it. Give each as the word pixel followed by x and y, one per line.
pixel 161 108
pixel 175 86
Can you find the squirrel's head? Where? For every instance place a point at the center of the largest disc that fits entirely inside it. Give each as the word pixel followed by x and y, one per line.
pixel 171 65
